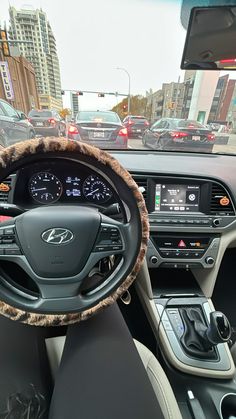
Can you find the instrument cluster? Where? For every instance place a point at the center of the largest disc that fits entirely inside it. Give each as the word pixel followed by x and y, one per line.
pixel 66 182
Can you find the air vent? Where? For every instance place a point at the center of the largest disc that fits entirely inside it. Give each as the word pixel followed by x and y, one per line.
pixel 4 195
pixel 142 183
pixel 221 203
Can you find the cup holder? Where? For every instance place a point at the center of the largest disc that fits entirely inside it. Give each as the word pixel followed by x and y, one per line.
pixel 228 406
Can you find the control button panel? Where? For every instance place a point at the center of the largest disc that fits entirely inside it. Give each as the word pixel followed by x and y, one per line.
pixel 109 238
pixel 182 251
pixel 184 221
pixel 8 242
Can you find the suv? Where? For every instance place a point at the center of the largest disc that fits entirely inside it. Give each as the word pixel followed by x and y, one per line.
pixel 47 122
pixel 136 125
pixel 13 125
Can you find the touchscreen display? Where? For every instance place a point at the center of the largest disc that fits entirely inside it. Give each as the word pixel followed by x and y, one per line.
pixel 183 198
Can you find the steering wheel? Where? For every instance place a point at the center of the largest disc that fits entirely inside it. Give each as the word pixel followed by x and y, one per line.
pixel 57 246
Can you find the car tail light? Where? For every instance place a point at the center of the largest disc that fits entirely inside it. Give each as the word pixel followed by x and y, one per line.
pixel 178 134
pixel 211 137
pixel 146 123
pixel 29 119
pixel 131 122
pixel 73 130
pixel 51 121
pixel 123 132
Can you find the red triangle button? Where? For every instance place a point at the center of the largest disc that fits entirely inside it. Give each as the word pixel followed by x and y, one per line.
pixel 181 244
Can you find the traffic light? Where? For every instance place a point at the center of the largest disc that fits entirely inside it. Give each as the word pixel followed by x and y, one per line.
pixel 62 92
pixel 5 45
pixel 101 95
pixel 79 93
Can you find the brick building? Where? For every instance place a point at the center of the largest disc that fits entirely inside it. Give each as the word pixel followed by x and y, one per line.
pixel 23 82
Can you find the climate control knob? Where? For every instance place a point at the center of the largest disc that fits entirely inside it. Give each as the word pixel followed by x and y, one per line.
pixel 153 260
pixel 216 222
pixel 209 260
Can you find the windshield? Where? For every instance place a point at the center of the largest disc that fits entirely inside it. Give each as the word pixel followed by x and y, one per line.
pixel 98 117
pixel 119 63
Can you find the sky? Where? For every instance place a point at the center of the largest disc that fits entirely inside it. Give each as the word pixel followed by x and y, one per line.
pixel 94 37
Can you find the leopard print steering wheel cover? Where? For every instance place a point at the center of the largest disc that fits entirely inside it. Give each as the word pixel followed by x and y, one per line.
pixel 24 149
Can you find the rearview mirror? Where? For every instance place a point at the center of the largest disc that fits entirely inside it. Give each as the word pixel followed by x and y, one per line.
pixel 211 39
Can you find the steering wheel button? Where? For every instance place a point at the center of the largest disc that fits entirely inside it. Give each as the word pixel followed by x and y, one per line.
pixel 9 231
pixel 116 247
pixel 12 251
pixel 101 248
pixel 7 241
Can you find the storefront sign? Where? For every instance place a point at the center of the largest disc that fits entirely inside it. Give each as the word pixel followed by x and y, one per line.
pixel 6 79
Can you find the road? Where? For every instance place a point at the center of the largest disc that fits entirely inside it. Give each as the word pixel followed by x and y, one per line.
pixel 218 148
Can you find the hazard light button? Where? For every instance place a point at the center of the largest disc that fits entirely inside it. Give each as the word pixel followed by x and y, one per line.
pixel 181 244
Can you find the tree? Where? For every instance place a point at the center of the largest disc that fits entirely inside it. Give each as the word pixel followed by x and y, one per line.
pixel 64 113
pixel 138 106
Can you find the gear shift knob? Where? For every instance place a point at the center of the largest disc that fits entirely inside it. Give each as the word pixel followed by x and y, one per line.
pixel 219 329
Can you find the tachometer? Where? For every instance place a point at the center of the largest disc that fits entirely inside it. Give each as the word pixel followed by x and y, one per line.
pixel 45 188
pixel 95 189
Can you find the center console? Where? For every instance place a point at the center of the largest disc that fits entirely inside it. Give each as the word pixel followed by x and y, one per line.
pixel 188 221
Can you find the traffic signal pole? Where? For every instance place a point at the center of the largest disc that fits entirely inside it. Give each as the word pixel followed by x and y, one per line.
pixel 94 92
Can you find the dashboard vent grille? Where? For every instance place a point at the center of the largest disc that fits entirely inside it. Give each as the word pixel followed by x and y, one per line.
pixel 221 203
pixel 142 183
pixel 4 195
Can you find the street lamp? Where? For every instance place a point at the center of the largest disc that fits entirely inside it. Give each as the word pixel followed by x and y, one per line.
pixel 123 69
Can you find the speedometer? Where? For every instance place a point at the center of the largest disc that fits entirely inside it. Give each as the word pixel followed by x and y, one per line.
pixel 45 188
pixel 96 190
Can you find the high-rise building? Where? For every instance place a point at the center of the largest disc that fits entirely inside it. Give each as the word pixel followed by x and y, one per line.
pixel 32 25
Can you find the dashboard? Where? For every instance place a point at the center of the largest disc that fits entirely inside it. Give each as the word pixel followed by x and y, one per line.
pixel 190 200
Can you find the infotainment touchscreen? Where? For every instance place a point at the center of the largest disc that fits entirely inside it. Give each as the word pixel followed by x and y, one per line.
pixel 177 198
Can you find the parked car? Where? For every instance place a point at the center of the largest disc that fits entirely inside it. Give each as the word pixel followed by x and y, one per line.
pixel 170 133
pixel 99 128
pixel 47 122
pixel 14 125
pixel 136 125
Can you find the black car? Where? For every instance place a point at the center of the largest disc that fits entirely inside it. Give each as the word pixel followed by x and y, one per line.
pixel 170 133
pixel 136 125
pixel 47 122
pixel 99 128
pixel 14 125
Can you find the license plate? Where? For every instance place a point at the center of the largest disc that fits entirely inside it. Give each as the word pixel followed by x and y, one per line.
pixel 39 124
pixel 98 134
pixel 196 137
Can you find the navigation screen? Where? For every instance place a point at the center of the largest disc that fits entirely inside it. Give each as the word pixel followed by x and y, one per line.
pixel 184 198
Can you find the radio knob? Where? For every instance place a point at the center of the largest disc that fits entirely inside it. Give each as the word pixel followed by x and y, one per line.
pixel 209 260
pixel 153 260
pixel 216 222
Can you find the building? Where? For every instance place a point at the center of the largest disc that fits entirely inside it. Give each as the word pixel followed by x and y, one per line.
pixel 22 82
pixel 166 102
pixel 189 79
pixel 173 94
pixel 155 103
pixel 218 98
pixel 229 97
pixel 32 25
pixel 231 114
pixel 204 88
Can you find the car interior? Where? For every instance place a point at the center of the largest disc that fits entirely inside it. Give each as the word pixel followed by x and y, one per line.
pixel 123 260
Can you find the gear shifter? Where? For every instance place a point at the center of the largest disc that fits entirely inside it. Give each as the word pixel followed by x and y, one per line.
pixel 199 339
pixel 219 330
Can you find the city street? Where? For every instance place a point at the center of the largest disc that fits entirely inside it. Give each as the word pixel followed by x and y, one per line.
pixel 136 143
